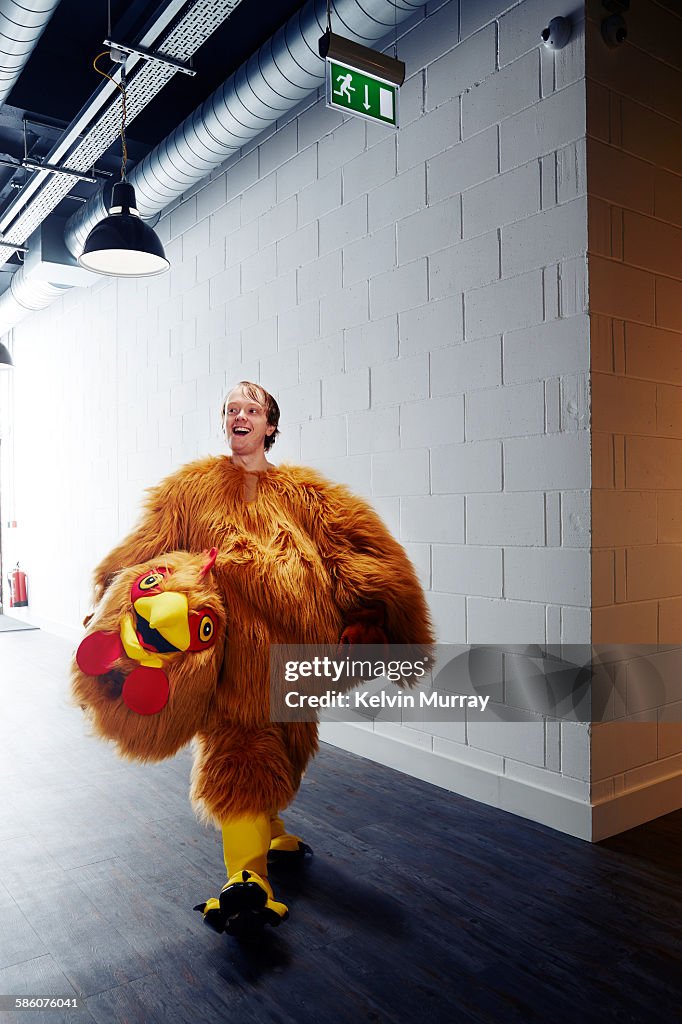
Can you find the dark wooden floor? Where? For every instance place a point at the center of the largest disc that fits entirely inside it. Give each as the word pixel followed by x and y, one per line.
pixel 419 905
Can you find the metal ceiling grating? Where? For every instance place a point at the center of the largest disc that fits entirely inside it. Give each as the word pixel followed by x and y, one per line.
pixel 182 41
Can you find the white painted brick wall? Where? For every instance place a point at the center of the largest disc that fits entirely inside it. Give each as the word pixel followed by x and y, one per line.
pixel 492 621
pixel 433 421
pixel 321 358
pixel 402 380
pixel 430 229
pixel 511 411
pixel 545 127
pixel 504 305
pixel 326 438
pixel 436 324
pixel 345 392
pixel 420 556
pixel 553 462
pixel 399 289
pixel 319 197
pixel 369 255
pixel 466 368
pixel 547 574
pixel 397 198
pixel 370 169
pixel 258 269
pixel 371 343
pixel 462 468
pixel 401 472
pixel 320 277
pixel 539 352
pixel 432 518
pixel 297 325
pixel 466 265
pixel 347 306
pixel 472 161
pixel 502 94
pixel 467 569
pixel 464 66
pixel 295 174
pixel 417 301
pixel 343 225
pixel 505 519
pixel 427 136
pixel 545 238
pixel 512 737
pixel 375 431
pixel 506 198
pixel 448 612
pixel 345 142
pixel 298 248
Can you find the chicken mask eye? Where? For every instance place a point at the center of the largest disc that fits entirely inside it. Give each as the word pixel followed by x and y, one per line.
pixel 150 581
pixel 206 628
pixel 147 584
pixel 203 626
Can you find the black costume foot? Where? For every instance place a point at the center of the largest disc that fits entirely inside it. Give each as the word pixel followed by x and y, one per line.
pixel 247 908
pixel 244 907
pixel 290 858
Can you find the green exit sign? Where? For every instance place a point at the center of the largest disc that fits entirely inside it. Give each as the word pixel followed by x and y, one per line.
pixel 361 94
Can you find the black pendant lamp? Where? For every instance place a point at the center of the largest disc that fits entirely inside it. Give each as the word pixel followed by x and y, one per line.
pixel 5 358
pixel 122 245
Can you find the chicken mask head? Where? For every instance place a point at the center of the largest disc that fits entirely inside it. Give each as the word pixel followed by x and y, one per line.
pixel 147 670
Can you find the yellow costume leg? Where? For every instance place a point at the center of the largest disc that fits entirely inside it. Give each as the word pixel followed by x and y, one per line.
pixel 285 848
pixel 246 901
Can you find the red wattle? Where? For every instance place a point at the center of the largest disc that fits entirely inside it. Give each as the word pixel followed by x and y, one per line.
pixel 97 653
pixel 146 690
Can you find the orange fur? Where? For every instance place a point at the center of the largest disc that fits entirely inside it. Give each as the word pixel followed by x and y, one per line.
pixel 293 562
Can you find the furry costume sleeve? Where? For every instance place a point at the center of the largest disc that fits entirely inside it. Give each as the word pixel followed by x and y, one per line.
pixel 364 561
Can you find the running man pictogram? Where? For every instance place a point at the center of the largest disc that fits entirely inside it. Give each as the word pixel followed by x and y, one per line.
pixel 346 88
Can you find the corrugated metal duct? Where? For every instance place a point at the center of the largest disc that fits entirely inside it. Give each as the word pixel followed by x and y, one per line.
pixel 274 80
pixel 21 26
pixel 285 70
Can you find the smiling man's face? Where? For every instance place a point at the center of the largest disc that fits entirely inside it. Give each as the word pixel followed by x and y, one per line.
pixel 246 425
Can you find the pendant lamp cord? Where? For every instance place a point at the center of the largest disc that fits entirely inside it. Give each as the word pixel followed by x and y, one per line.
pixel 121 86
pixel 329 16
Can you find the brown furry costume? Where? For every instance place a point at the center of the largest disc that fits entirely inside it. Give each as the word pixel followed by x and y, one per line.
pixel 297 557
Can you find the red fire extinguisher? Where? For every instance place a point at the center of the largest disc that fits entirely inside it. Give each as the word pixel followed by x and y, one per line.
pixel 18 581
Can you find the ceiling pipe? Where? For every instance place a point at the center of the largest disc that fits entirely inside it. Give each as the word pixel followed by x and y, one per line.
pixel 21 26
pixel 272 82
pixel 283 72
pixel 25 296
pixel 177 29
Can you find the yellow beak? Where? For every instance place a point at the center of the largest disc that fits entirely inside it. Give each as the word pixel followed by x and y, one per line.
pixel 168 613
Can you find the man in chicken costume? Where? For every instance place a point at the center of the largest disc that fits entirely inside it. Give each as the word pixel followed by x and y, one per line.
pixel 254 554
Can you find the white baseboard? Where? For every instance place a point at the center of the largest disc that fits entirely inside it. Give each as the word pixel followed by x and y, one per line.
pixel 636 806
pixel 548 807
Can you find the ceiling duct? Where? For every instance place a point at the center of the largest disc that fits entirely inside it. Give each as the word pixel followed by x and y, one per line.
pixel 272 82
pixel 174 33
pixel 279 76
pixel 21 26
